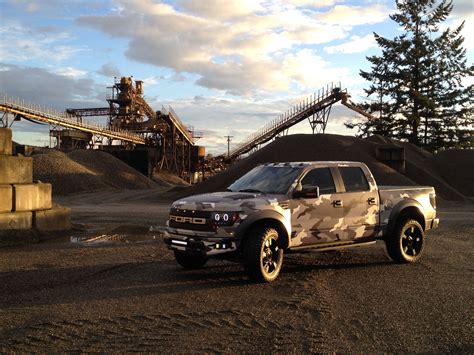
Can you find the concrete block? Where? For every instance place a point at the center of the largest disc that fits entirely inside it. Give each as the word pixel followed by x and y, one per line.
pixel 32 197
pixel 16 170
pixel 6 198
pixel 16 220
pixel 5 141
pixel 57 218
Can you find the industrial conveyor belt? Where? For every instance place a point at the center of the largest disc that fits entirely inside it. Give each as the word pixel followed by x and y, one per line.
pixel 51 116
pixel 317 105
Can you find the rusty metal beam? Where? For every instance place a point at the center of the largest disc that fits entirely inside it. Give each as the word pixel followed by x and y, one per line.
pixel 51 116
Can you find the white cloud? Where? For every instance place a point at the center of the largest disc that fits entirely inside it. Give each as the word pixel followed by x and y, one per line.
pixel 239 47
pixel 109 70
pixel 355 45
pixel 313 3
pixel 344 15
pixel 19 43
pixel 222 9
pixel 69 71
pixel 41 86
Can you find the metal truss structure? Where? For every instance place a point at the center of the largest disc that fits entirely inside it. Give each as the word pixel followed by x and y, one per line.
pixel 162 131
pixel 316 108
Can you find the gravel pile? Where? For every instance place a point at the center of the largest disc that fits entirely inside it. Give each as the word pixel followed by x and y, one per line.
pixel 111 170
pixel 456 166
pixel 308 147
pixel 85 170
pixel 167 179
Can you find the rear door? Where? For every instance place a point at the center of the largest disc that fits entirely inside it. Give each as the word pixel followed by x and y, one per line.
pixel 316 220
pixel 360 200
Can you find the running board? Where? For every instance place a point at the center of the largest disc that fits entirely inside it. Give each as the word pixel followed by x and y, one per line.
pixel 333 246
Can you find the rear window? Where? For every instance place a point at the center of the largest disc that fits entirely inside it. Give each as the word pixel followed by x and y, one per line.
pixel 354 179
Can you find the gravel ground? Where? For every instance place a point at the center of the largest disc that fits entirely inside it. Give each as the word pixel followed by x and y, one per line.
pixel 123 292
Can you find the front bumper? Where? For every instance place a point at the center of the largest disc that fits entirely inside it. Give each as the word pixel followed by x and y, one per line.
pixel 202 243
pixel 434 223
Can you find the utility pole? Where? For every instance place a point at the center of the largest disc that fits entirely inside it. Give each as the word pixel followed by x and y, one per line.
pixel 228 144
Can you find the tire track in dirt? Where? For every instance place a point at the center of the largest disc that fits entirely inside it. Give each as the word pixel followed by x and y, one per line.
pixel 103 272
pixel 309 301
pixel 212 331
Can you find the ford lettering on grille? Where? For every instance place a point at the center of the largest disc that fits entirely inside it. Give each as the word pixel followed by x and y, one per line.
pixel 184 219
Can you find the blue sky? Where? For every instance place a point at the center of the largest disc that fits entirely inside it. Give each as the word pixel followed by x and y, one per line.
pixel 227 67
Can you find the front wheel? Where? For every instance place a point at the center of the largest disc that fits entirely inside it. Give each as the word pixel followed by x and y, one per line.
pixel 190 261
pixel 263 256
pixel 407 242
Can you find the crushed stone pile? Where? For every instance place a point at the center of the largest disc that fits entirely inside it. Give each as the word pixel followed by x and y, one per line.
pixel 456 166
pixel 85 170
pixel 327 147
pixel 167 179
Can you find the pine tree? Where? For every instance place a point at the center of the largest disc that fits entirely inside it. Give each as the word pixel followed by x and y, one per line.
pixel 417 82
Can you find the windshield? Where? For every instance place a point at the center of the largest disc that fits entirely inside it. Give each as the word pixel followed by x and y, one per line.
pixel 267 179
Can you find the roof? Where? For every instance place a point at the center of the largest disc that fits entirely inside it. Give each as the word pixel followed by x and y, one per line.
pixel 304 164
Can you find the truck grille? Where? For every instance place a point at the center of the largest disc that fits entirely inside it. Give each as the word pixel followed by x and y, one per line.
pixel 191 220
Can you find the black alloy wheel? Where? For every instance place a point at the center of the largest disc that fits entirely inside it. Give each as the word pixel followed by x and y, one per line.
pixel 407 242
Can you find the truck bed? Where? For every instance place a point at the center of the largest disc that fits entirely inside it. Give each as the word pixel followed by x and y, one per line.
pixel 422 196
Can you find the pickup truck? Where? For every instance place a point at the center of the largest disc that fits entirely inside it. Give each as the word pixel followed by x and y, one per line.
pixel 280 208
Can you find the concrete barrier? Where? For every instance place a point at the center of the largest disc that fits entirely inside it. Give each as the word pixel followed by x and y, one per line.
pixel 6 198
pixel 15 170
pixel 5 141
pixel 16 220
pixel 57 218
pixel 32 197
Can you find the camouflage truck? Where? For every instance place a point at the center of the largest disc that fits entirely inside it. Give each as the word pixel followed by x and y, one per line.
pixel 288 207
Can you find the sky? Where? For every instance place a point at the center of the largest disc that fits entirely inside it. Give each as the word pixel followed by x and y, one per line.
pixel 227 67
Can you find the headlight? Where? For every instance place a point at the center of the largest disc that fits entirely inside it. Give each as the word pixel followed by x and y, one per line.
pixel 224 218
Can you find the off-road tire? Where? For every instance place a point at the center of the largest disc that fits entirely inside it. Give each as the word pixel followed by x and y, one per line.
pixel 190 261
pixel 263 256
pixel 407 242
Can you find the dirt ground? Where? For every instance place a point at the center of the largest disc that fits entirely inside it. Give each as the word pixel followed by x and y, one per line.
pixel 123 291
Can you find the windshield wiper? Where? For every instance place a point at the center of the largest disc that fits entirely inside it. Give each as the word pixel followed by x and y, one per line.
pixel 252 190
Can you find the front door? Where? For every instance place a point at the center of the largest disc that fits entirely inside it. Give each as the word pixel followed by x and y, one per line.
pixel 316 220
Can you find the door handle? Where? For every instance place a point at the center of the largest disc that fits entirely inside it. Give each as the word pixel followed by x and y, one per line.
pixel 337 203
pixel 371 201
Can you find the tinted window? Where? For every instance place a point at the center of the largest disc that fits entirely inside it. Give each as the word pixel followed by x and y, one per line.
pixel 354 179
pixel 321 177
pixel 267 179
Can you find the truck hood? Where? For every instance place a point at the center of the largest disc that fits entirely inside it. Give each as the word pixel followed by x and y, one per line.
pixel 232 201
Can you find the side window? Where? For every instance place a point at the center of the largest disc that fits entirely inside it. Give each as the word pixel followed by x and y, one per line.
pixel 354 179
pixel 321 177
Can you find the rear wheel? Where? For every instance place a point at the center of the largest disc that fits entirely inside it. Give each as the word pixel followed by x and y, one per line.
pixel 407 242
pixel 190 261
pixel 263 256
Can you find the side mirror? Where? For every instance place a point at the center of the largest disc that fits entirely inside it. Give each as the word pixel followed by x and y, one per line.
pixel 307 192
